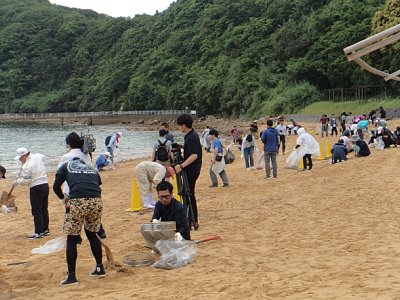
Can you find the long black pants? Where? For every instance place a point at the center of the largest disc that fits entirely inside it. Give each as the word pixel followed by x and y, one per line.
pixel 333 130
pixel 72 252
pixel 282 140
pixel 192 178
pixel 306 158
pixel 39 197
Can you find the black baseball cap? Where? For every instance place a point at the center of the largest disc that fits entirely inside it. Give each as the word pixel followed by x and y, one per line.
pixel 3 171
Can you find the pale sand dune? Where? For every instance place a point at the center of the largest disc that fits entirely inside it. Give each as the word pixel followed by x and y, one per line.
pixel 331 233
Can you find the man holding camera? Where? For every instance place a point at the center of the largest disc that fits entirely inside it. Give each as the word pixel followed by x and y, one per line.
pixel 192 159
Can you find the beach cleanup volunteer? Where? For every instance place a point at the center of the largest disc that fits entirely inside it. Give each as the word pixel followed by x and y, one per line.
pixel 33 174
pixel 167 209
pixel 83 207
pixel 147 174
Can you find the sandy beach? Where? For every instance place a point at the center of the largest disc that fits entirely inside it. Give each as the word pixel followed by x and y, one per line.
pixel 330 233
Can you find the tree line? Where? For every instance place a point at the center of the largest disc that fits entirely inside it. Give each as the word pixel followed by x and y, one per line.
pixel 215 56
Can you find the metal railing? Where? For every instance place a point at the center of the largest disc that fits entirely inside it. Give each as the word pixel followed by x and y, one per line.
pixel 97 114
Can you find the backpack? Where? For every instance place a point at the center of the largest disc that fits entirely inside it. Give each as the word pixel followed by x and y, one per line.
pixel 249 138
pixel 162 151
pixel 107 141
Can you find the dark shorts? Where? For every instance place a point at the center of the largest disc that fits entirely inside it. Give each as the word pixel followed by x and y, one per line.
pixel 83 211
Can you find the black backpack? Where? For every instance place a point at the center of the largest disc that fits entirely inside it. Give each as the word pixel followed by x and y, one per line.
pixel 107 141
pixel 162 151
pixel 249 138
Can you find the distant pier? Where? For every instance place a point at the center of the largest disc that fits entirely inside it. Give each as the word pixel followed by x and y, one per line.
pixel 93 118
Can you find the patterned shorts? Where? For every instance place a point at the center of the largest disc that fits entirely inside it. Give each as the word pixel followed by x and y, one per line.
pixel 82 211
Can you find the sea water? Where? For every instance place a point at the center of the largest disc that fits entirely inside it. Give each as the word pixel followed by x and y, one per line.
pixel 50 141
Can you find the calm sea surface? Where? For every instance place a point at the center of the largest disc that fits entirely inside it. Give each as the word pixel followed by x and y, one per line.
pixel 50 141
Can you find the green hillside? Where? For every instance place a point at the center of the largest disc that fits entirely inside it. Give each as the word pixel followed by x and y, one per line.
pixel 214 56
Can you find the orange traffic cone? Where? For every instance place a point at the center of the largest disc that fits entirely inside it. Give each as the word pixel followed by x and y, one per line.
pixel 135 201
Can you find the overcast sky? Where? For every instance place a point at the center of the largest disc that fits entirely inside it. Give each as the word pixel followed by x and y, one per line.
pixel 118 8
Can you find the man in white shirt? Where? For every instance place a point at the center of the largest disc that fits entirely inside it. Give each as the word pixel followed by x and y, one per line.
pixel 33 174
pixel 282 132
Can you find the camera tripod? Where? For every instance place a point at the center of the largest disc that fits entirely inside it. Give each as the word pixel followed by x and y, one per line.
pixel 184 192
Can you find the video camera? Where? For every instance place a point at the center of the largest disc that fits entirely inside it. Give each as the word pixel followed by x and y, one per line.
pixel 177 153
pixel 89 143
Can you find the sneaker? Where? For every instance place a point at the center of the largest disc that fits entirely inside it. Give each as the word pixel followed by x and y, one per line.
pixel 46 233
pixel 35 236
pixel 267 177
pixel 102 234
pixel 69 280
pixel 196 226
pixel 98 271
pixel 253 168
pixel 213 186
pixel 225 185
pixel 248 169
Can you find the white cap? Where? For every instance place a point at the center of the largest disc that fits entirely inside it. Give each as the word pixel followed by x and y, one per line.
pixel 119 133
pixel 107 153
pixel 21 152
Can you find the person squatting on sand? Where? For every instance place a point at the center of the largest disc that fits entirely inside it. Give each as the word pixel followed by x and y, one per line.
pixel 271 147
pixel 167 209
pixel 84 206
pixel 339 152
pixel 103 161
pixel 360 147
pixel 33 174
pixel 309 147
pixel 147 174
pixel 217 162
pixel 192 160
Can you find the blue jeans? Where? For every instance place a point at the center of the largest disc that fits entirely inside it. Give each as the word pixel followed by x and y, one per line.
pixel 249 155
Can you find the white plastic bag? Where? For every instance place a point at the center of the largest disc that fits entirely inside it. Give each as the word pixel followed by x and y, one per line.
pixel 51 246
pixel 379 144
pixel 292 160
pixel 260 161
pixel 175 254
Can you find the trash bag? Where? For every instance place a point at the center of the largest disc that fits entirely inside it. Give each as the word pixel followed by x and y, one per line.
pixel 175 254
pixel 229 157
pixel 292 160
pixel 51 246
pixel 379 144
pixel 260 162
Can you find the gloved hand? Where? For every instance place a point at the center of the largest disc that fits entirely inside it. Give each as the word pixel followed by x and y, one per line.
pixel 15 182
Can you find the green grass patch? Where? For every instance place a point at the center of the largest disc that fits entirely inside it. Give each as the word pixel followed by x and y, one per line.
pixel 327 107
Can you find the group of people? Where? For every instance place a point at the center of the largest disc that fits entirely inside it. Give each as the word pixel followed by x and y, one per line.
pixel 78 184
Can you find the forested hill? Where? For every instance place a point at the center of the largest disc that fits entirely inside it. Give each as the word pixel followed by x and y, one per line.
pixel 214 56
